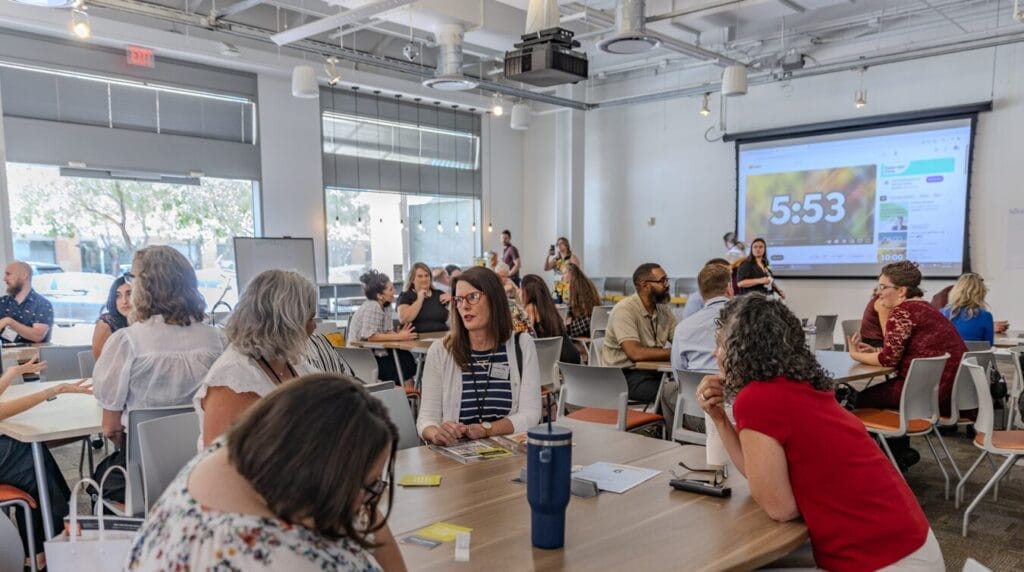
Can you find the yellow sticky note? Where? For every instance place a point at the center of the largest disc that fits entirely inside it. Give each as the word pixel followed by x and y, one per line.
pixel 419 480
pixel 442 531
pixel 494 453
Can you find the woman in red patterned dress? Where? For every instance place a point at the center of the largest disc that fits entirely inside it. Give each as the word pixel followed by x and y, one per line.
pixel 914 329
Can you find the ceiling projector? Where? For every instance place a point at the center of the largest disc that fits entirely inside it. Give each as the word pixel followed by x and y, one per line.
pixel 546 58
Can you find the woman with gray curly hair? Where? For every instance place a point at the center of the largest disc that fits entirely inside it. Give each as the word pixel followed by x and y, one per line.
pixel 802 453
pixel 268 335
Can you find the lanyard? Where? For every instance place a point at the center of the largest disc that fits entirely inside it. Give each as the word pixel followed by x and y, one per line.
pixel 277 377
pixel 487 387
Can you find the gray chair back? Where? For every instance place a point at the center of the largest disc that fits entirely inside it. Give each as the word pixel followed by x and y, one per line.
pixel 591 386
pixel 685 286
pixel 596 349
pixel 920 399
pixel 614 285
pixel 977 345
pixel 599 284
pixel 397 404
pixel 326 328
pixel 850 327
pixel 86 363
pixel 964 396
pixel 362 363
pixel 628 287
pixel 986 358
pixel 166 445
pixel 61 362
pixel 824 332
pixel 10 361
pixel 549 350
pixel 686 404
pixel 12 554
pixel 599 318
pixel 135 505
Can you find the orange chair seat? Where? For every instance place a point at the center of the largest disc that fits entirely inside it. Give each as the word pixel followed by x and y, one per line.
pixel 1013 440
pixel 947 420
pixel 634 418
pixel 9 493
pixel 886 420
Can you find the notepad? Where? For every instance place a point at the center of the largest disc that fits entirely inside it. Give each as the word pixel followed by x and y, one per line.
pixel 413 480
pixel 614 478
pixel 442 531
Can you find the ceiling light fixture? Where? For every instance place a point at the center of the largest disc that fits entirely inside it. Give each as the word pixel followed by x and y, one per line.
pixel 734 80
pixel 705 109
pixel 860 97
pixel 304 84
pixel 497 105
pixel 80 24
pixel 331 67
pixel 520 119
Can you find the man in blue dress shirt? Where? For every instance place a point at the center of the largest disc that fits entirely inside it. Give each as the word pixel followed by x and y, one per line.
pixel 25 315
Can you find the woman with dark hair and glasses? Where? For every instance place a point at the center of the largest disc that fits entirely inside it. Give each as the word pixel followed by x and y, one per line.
pixel 482 379
pixel 802 453
pixel 374 322
pixel 275 494
pixel 754 275
pixel 115 313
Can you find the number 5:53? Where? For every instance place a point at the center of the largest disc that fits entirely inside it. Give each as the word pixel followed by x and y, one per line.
pixel 783 211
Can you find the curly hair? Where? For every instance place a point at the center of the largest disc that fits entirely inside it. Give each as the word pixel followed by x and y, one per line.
pixel 761 338
pixel 271 316
pixel 375 283
pixel 165 285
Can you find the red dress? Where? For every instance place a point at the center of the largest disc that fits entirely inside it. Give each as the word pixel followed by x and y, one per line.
pixel 915 330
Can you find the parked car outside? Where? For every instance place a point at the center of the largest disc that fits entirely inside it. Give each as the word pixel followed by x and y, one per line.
pixel 77 297
pixel 44 268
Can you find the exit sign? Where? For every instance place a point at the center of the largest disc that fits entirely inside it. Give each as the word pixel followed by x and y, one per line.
pixel 141 57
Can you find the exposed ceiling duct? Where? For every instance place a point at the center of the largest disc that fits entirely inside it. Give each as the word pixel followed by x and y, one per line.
pixel 449 61
pixel 336 21
pixel 630 36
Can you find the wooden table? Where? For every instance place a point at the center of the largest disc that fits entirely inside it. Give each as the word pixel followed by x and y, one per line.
pixel 660 366
pixel 418 348
pixel 845 369
pixel 651 526
pixel 68 416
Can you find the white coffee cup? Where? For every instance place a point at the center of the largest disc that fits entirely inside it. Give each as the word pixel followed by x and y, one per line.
pixel 715 450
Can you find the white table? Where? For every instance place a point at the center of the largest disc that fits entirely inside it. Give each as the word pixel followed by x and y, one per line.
pixel 66 417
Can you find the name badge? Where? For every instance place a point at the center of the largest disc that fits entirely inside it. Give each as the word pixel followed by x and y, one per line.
pixel 10 335
pixel 499 371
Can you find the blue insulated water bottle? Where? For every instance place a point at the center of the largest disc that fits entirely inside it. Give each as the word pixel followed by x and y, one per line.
pixel 548 467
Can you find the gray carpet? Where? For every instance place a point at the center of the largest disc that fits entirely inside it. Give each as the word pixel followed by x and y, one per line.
pixel 995 537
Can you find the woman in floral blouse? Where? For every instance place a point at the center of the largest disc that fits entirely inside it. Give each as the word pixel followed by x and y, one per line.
pixel 275 494
pixel 913 329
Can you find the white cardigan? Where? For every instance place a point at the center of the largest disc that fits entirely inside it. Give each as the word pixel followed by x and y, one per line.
pixel 442 386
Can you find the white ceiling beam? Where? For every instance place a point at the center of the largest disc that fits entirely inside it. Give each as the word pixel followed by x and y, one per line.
pixel 336 21
pixel 792 6
pixel 237 7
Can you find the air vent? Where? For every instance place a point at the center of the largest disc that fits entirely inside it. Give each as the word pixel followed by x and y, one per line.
pixel 630 37
pixel 449 62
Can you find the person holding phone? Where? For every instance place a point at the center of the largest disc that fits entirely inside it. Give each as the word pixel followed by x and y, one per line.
pixel 560 254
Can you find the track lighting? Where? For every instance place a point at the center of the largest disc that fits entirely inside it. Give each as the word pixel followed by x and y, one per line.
pixel 705 110
pixel 497 105
pixel 490 227
pixel 860 98
pixel 440 227
pixel 331 67
pixel 457 226
pixel 421 225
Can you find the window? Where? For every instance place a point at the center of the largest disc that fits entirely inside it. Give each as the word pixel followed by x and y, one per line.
pixel 92 225
pixel 402 184
pixel 371 229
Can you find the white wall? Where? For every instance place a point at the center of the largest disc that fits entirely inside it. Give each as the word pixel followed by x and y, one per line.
pixel 651 160
pixel 503 205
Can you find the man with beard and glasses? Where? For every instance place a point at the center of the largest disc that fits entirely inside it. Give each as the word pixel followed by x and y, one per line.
pixel 27 316
pixel 640 329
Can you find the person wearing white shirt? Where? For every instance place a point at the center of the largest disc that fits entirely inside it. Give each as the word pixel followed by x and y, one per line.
pixel 163 357
pixel 693 343
pixel 481 379
pixel 268 336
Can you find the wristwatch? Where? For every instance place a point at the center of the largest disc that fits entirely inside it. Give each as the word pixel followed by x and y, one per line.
pixel 487 428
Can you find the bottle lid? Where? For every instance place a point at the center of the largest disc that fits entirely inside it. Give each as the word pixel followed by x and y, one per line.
pixel 542 433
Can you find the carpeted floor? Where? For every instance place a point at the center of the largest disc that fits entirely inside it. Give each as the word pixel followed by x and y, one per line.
pixel 996 534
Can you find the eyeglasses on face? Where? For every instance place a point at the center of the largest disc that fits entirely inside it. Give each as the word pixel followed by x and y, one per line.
pixel 374 490
pixel 663 280
pixel 884 287
pixel 471 299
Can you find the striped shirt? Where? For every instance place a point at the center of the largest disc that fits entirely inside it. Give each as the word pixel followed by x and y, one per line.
pixel 485 395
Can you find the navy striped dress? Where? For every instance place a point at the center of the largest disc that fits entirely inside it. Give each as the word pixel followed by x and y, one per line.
pixel 485 396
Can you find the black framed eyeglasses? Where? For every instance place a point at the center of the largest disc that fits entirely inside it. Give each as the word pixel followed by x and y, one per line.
pixel 374 490
pixel 128 277
pixel 718 476
pixel 662 280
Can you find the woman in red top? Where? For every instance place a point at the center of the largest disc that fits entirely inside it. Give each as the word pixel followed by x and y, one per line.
pixel 803 454
pixel 914 329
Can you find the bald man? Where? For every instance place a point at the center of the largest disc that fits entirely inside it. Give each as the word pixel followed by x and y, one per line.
pixel 26 316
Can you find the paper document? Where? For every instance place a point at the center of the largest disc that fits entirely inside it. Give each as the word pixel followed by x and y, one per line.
pixel 479 449
pixel 614 478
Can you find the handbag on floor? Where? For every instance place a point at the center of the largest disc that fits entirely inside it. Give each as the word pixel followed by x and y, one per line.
pixel 97 543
